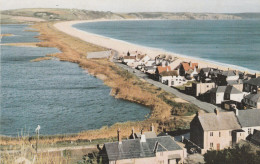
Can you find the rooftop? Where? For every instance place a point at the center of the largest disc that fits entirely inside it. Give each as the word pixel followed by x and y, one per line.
pixel 187 66
pixel 232 90
pixel 249 117
pixel 162 69
pixel 253 97
pixel 133 148
pixel 254 81
pixel 220 121
pixel 169 73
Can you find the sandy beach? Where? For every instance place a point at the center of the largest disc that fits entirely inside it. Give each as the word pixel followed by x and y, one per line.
pixel 122 47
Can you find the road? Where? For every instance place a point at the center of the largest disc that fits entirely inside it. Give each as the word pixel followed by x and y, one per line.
pixel 203 105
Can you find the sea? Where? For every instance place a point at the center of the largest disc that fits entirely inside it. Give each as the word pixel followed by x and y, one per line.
pixel 59 96
pixel 231 43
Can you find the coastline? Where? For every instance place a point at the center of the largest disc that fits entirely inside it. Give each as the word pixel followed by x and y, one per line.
pixel 123 85
pixel 123 46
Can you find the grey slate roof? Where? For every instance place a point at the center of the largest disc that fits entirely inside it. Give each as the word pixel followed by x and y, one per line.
pixel 254 81
pixel 133 148
pixel 228 73
pixel 253 97
pixel 249 117
pixel 232 82
pixel 232 90
pixel 219 89
pixel 220 121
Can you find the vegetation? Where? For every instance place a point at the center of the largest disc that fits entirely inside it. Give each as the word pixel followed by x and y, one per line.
pixel 238 155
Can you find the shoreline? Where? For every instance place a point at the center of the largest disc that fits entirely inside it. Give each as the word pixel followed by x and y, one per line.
pixel 123 46
pixel 123 85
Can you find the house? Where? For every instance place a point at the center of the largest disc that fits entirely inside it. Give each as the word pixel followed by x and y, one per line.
pixel 238 84
pixel 204 74
pixel 252 100
pixel 201 88
pixel 249 120
pixel 255 138
pixel 191 73
pixel 221 93
pixel 213 131
pixel 232 93
pixel 144 150
pixel 252 85
pixel 225 76
pixel 217 94
pixel 171 78
pixel 213 74
pixel 161 69
pixel 185 67
pixel 128 59
pixel 150 69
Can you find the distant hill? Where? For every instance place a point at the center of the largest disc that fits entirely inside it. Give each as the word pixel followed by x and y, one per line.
pixel 10 16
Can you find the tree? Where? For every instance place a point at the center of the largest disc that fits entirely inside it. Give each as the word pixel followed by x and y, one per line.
pixel 238 155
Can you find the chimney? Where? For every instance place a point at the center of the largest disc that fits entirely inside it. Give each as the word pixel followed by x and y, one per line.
pixel 152 128
pixel 133 132
pixel 236 112
pixel 119 136
pixel 197 113
pixel 216 111
pixel 190 64
pixel 143 139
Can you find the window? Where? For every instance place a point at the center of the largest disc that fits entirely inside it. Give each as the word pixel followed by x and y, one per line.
pixel 219 134
pixel 249 130
pixel 211 133
pixel 211 145
pixel 207 86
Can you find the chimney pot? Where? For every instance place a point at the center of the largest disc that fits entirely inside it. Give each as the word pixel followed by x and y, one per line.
pixel 119 136
pixel 216 111
pixel 152 128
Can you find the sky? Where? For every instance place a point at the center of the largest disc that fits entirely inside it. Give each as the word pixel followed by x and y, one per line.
pixel 212 6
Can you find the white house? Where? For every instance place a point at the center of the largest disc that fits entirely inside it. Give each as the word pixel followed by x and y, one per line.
pixel 128 59
pixel 232 93
pixel 217 94
pixel 173 80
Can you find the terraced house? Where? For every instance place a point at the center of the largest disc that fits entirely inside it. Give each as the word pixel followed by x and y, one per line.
pixel 219 130
pixel 157 150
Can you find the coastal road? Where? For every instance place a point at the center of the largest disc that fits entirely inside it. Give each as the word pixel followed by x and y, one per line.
pixel 203 105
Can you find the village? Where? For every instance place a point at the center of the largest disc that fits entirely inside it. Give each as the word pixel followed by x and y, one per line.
pixel 235 120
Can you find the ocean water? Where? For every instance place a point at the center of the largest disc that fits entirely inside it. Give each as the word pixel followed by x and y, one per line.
pixel 234 43
pixel 59 96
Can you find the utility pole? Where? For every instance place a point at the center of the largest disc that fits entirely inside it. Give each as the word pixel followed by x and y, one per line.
pixel 37 131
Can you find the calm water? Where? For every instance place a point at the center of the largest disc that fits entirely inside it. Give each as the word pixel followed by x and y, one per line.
pixel 233 42
pixel 59 96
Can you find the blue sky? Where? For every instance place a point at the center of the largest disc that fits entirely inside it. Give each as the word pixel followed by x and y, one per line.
pixel 213 6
